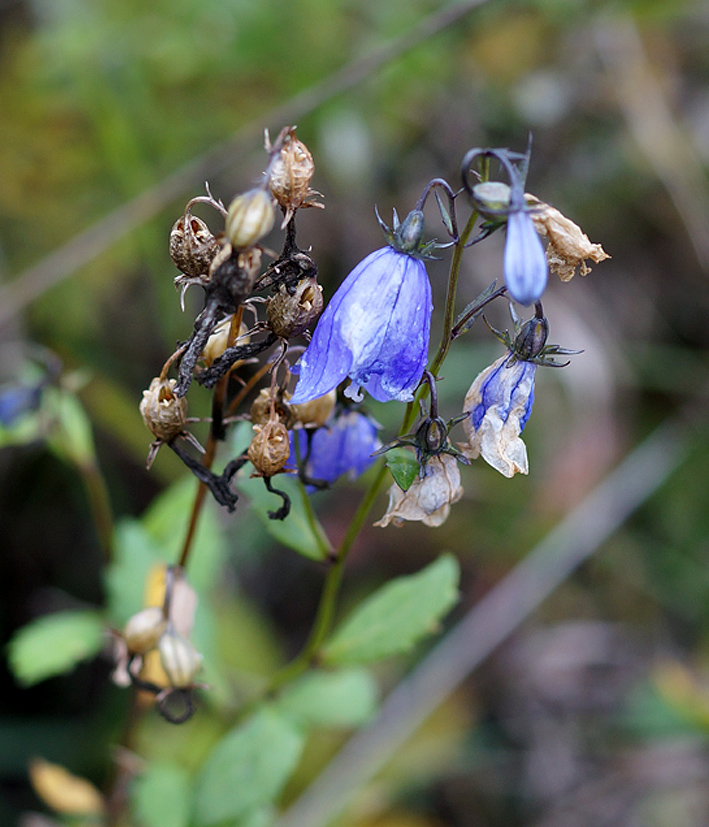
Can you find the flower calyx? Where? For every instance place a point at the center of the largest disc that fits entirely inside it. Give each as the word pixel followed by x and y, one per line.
pixel 407 236
pixel 528 342
pixel 431 437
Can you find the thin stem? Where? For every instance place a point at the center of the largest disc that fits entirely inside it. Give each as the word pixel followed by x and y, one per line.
pixel 100 505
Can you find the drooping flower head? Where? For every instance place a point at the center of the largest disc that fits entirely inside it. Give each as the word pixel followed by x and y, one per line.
pixel 500 399
pixel 343 446
pixel 525 265
pixel 375 330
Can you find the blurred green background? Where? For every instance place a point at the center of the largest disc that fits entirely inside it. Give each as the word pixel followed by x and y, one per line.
pixel 597 710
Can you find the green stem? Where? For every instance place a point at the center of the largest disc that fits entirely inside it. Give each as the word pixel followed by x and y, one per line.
pixel 326 608
pixel 100 505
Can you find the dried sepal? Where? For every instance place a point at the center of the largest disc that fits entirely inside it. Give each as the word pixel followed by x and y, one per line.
pixel 569 247
pixel 290 311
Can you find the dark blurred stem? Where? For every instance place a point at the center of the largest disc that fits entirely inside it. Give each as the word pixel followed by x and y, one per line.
pixel 100 506
pixel 211 449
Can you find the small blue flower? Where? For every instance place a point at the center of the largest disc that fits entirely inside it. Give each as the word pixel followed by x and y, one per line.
pixel 376 327
pixel 499 403
pixel 525 263
pixel 345 446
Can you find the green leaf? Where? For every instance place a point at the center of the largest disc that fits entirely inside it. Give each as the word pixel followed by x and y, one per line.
pixel 166 522
pixel 162 796
pixel 54 644
pixel 335 699
pixel 404 467
pixel 135 554
pixel 298 531
pixel 396 616
pixel 72 439
pixel 247 769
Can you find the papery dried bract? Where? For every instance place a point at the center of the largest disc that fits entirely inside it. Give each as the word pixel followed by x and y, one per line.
pixel 499 403
pixel 164 414
pixel 429 498
pixel 568 246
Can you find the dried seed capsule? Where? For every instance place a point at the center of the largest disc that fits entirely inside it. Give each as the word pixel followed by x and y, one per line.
pixel 270 448
pixel 144 629
pixel 316 412
pixel 291 172
pixel 180 660
pixel 250 217
pixel 219 341
pixel 290 314
pixel 192 246
pixel 261 408
pixel 164 413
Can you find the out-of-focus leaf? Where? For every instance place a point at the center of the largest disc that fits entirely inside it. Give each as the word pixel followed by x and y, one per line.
pixel 135 554
pixel 54 644
pixel 247 769
pixel 162 796
pixel 403 466
pixel 64 792
pixel 296 531
pixel 345 699
pixel 396 616
pixel 166 522
pixel 71 438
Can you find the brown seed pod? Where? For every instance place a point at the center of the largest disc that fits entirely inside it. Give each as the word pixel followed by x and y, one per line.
pixel 289 314
pixel 270 448
pixel 164 413
pixel 291 172
pixel 192 246
pixel 250 217
pixel 261 408
pixel 144 629
pixel 180 660
pixel 315 412
pixel 219 341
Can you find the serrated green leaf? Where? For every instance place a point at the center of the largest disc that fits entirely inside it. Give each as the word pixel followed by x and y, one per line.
pixel 247 769
pixel 296 531
pixel 345 698
pixel 54 644
pixel 396 616
pixel 404 467
pixel 162 796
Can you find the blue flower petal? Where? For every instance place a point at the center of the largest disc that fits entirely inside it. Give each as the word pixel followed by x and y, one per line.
pixel 374 330
pixel 525 263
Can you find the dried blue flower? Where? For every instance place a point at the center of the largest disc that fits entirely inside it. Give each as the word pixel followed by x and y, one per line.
pixel 525 264
pixel 344 446
pixel 498 405
pixel 375 330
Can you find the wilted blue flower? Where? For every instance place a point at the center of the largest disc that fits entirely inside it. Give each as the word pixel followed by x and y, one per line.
pixel 376 327
pixel 16 400
pixel 345 446
pixel 525 263
pixel 499 403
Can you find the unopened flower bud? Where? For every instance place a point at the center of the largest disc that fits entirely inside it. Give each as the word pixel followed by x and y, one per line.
pixel 180 660
pixel 163 413
pixel 192 246
pixel 316 412
pixel 250 217
pixel 289 314
pixel 219 341
pixel 531 338
pixel 144 629
pixel 261 408
pixel 492 198
pixel 290 173
pixel 270 448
